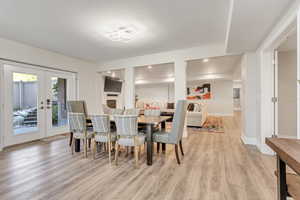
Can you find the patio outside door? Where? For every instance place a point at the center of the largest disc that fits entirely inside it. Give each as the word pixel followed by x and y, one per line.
pixel 35 103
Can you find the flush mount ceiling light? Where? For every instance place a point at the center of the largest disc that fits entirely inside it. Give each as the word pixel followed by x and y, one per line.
pixel 124 33
pixel 205 60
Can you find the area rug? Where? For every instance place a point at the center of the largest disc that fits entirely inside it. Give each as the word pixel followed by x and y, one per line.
pixel 213 124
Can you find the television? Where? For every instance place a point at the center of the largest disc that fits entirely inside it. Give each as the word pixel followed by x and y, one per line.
pixel 112 84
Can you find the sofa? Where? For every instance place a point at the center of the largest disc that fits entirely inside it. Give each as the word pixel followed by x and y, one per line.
pixel 197 114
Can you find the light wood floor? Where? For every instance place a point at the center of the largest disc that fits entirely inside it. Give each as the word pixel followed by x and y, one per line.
pixel 216 166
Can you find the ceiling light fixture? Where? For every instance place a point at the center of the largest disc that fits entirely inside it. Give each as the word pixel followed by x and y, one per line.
pixel 149 67
pixel 109 72
pixel 122 33
pixel 205 60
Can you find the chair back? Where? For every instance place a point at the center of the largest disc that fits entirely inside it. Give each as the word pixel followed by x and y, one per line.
pixel 106 109
pixel 152 113
pixel 77 122
pixel 77 107
pixel 101 123
pixel 127 125
pixel 132 112
pixel 117 111
pixel 178 121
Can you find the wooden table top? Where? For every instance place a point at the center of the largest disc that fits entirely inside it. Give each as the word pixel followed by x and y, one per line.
pixel 152 120
pixel 288 150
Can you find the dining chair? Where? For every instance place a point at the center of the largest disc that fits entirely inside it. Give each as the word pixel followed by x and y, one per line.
pixel 175 136
pixel 77 107
pixel 77 123
pixel 132 111
pixel 128 135
pixel 117 111
pixel 106 109
pixel 101 127
pixel 152 113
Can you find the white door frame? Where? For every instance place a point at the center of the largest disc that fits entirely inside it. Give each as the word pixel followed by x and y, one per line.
pixel 26 66
pixel 10 137
pixel 71 95
pixel 266 53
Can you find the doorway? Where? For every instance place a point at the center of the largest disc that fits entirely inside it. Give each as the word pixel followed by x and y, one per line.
pixel 285 87
pixel 35 103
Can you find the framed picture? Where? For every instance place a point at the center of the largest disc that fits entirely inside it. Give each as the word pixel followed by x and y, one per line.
pixel 202 92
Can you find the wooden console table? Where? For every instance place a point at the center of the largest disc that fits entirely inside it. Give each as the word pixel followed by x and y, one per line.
pixel 288 153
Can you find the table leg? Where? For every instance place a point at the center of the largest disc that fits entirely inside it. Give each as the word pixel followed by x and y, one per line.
pixel 149 144
pixel 281 180
pixel 163 125
pixel 77 145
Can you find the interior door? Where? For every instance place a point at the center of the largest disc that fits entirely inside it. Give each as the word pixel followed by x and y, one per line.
pixel 60 87
pixel 275 94
pixel 24 104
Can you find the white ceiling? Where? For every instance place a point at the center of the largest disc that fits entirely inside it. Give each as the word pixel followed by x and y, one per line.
pixel 217 67
pixel 251 21
pixel 75 28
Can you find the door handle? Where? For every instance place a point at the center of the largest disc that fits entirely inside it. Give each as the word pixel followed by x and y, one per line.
pixel 42 107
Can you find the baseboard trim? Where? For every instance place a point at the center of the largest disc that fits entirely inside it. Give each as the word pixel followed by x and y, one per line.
pixel 249 140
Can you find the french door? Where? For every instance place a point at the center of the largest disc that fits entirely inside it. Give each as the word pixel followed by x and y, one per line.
pixel 35 103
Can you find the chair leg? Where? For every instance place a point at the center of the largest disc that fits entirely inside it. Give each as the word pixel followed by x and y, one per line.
pixel 85 147
pixel 71 139
pixel 136 155
pixel 73 146
pixel 94 149
pixel 181 149
pixel 176 152
pixel 157 147
pixel 117 153
pixel 109 152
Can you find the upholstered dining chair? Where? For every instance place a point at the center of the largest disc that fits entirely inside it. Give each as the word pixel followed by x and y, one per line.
pixel 106 109
pixel 77 107
pixel 128 135
pixel 132 111
pixel 77 123
pixel 101 127
pixel 117 111
pixel 175 136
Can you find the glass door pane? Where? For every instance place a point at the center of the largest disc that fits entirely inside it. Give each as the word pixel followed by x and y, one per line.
pixel 59 102
pixel 25 96
pixel 60 88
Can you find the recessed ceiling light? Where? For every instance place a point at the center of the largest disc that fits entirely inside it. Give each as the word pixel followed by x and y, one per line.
pixel 123 33
pixel 149 67
pixel 205 60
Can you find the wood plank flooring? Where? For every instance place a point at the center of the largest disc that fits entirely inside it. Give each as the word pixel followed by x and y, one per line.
pixel 216 166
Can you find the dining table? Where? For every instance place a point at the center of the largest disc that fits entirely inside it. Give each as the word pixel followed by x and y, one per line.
pixel 150 122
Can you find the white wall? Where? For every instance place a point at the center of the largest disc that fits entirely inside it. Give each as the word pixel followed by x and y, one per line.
pixel 287 94
pixel 222 96
pixel 155 92
pixel 249 98
pixel 88 80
